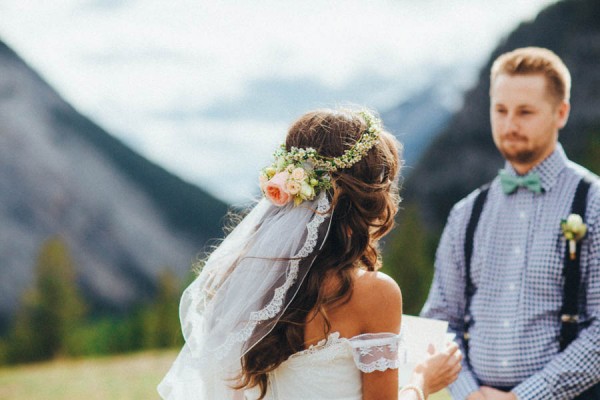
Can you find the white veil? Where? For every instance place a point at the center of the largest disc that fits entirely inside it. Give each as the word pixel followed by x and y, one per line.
pixel 244 288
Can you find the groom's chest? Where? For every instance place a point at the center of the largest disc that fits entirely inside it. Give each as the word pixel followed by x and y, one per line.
pixel 519 247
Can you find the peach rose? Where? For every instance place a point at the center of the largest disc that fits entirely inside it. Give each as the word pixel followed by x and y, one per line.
pixel 276 191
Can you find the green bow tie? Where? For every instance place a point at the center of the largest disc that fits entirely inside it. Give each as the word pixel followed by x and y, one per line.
pixel 510 183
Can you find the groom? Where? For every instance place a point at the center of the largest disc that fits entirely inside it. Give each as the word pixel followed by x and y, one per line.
pixel 522 297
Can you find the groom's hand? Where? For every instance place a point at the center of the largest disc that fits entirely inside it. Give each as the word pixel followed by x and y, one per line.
pixel 494 394
pixel 476 396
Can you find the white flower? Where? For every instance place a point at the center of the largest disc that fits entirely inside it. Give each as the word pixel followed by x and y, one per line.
pixel 307 191
pixel 280 163
pixel 293 187
pixel 575 223
pixel 573 227
pixel 308 166
pixel 298 174
pixel 270 171
pixel 574 230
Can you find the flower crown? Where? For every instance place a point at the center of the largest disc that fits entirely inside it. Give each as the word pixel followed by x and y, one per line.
pixel 300 174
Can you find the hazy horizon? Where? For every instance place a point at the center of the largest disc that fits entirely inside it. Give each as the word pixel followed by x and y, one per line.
pixel 208 89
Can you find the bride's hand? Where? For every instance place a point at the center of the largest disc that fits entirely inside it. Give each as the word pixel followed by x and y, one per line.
pixel 439 369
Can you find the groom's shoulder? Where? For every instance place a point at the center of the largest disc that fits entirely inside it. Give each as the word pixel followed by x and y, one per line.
pixel 462 208
pixel 581 172
pixel 586 174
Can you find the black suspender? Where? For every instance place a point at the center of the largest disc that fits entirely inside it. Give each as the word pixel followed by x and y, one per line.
pixel 572 273
pixel 473 221
pixel 571 269
pixel 469 287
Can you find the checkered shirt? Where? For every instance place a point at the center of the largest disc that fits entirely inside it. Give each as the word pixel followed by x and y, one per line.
pixel 517 264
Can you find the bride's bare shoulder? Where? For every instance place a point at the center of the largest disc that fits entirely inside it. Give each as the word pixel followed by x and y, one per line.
pixel 378 301
pixel 376 286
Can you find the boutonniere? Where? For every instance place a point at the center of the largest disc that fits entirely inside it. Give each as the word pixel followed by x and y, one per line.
pixel 574 230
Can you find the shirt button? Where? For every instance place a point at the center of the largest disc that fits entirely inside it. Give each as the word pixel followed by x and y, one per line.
pixel 504 363
pixel 506 324
pixel 517 250
pixel 522 214
pixel 512 286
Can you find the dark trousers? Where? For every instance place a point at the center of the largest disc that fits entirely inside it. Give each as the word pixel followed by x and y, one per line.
pixel 592 393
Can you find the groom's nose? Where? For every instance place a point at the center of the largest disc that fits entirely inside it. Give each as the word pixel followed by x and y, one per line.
pixel 510 124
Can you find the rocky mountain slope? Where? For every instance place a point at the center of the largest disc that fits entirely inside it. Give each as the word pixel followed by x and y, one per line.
pixel 418 120
pixel 123 218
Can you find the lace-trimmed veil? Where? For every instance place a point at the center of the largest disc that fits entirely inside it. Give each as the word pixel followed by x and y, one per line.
pixel 242 291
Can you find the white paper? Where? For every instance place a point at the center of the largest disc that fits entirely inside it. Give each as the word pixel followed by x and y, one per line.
pixel 417 334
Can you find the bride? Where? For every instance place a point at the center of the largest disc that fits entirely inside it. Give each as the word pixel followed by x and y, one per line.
pixel 290 305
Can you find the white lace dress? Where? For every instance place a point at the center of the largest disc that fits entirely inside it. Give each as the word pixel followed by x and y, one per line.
pixel 332 368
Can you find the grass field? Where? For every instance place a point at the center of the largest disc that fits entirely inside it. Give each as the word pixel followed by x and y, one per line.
pixel 125 377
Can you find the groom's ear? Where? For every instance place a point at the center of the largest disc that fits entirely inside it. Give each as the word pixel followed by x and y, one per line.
pixel 562 113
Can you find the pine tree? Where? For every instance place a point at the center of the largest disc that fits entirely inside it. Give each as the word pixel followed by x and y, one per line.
pixel 162 326
pixel 50 311
pixel 23 342
pixel 591 155
pixel 409 259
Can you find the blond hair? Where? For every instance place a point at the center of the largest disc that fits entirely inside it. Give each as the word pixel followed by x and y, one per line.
pixel 535 60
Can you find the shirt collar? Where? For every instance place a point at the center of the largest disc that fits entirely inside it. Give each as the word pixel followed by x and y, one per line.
pixel 547 169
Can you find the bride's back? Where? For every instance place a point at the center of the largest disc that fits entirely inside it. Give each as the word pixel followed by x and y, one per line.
pixel 330 365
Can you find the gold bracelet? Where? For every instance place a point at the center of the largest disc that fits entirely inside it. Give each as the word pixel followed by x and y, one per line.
pixel 417 389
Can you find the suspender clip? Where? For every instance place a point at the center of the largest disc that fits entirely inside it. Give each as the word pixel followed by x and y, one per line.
pixel 570 319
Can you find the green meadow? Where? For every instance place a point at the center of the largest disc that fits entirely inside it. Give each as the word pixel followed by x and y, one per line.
pixel 122 377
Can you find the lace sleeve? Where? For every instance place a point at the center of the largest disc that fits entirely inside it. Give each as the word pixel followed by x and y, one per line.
pixel 378 351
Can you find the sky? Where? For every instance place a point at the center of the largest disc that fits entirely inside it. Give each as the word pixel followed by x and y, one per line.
pixel 207 89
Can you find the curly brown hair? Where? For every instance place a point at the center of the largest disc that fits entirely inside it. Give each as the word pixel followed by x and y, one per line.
pixel 365 199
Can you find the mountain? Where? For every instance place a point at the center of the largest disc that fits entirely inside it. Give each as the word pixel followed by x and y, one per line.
pixel 123 218
pixel 416 121
pixel 463 156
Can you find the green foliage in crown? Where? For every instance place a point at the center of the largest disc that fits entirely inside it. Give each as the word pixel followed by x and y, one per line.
pixel 300 174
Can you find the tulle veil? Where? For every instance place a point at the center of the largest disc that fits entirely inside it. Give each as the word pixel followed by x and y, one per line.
pixel 243 289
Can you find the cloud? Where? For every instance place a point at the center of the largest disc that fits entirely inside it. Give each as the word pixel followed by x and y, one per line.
pixel 280 99
pixel 160 74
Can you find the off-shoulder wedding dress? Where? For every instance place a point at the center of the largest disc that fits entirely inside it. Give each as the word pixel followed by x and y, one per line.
pixel 331 369
pixel 244 288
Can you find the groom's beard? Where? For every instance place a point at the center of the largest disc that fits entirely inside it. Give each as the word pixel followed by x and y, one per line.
pixel 520 157
pixel 516 149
